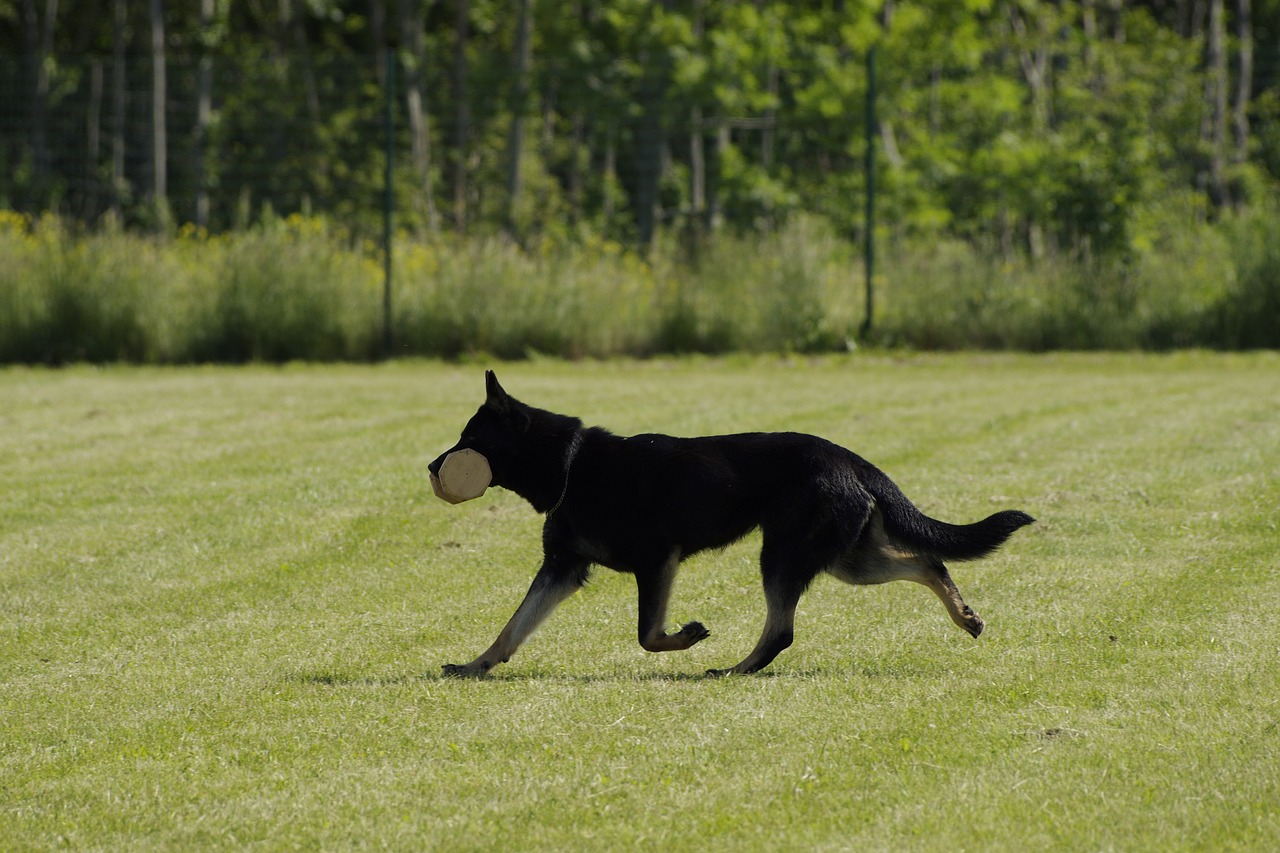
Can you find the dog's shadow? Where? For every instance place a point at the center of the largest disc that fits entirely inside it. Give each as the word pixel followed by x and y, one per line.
pixel 334 679
pixel 330 678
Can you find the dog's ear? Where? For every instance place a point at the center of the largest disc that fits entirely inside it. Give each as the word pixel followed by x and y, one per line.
pixel 495 398
pixel 504 404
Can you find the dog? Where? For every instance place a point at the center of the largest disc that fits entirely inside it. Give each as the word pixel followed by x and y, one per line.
pixel 644 503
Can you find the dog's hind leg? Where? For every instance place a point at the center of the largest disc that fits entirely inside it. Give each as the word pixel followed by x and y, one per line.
pixel 559 578
pixel 655 591
pixel 785 580
pixel 939 580
pixel 876 559
pixel 778 633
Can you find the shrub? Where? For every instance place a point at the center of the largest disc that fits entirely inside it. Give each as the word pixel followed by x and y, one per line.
pixel 301 288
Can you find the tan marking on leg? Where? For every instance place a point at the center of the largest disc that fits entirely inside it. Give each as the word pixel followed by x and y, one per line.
pixel 960 613
pixel 543 597
pixel 878 559
pixel 779 626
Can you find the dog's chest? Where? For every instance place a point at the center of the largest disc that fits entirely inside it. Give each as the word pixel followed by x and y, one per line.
pixel 597 552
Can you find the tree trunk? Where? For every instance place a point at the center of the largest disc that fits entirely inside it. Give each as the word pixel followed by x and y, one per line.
pixel 296 28
pixel 1089 26
pixel 935 98
pixel 159 130
pixel 33 62
pixel 412 15
pixel 768 134
pixel 378 35
pixel 1244 85
pixel 118 37
pixel 204 112
pixel 575 165
pixel 461 115
pixel 648 144
pixel 519 103
pixel 610 177
pixel 1216 97
pixel 697 219
pixel 648 159
pixel 697 171
pixel 715 209
pixel 93 136
pixel 38 37
pixel 1035 68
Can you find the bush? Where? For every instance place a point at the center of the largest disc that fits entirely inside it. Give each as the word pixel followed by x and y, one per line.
pixel 289 289
pixel 1247 316
pixel 300 288
pixel 66 297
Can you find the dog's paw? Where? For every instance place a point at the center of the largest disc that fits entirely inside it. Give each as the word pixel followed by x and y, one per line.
pixel 972 622
pixel 459 670
pixel 694 632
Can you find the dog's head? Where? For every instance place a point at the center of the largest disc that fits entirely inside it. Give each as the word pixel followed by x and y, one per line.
pixel 496 431
pixel 526 450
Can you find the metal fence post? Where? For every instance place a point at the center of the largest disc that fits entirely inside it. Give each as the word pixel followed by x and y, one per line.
pixel 870 225
pixel 388 203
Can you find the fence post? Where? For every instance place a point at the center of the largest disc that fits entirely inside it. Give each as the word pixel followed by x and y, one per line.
pixel 388 202
pixel 870 225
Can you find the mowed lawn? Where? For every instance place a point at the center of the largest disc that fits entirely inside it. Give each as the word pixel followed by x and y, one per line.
pixel 225 596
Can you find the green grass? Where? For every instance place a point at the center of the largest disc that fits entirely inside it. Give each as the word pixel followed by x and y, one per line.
pixel 225 595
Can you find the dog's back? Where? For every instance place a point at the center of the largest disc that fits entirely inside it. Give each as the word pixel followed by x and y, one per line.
pixel 705 492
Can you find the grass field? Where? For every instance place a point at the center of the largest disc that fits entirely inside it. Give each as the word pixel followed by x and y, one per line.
pixel 225 595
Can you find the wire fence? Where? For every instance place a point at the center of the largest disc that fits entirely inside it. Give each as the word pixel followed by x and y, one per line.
pixel 308 134
pixel 225 145
pixel 1093 166
pixel 216 141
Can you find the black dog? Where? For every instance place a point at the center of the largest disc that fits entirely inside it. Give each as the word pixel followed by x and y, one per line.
pixel 642 504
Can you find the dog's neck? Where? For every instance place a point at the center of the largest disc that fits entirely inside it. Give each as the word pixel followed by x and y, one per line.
pixel 570 454
pixel 552 444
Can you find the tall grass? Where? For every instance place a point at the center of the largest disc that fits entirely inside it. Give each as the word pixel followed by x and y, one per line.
pixel 1249 315
pixel 289 289
pixel 303 288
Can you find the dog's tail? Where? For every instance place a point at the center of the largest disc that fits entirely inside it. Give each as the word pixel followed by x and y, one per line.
pixel 904 522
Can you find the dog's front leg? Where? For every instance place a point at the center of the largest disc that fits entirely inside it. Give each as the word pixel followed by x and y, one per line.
pixel 655 591
pixel 560 577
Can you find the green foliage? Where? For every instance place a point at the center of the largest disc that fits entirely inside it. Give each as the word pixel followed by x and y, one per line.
pixel 1029 126
pixel 79 297
pixel 286 289
pixel 289 289
pixel 1249 311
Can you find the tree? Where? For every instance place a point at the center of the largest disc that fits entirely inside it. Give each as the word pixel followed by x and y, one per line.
pixel 1215 127
pixel 204 110
pixel 1244 80
pixel 462 113
pixel 519 104
pixel 412 14
pixel 39 30
pixel 159 125
pixel 1032 125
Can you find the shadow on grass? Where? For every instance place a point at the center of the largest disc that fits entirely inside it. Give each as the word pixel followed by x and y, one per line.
pixel 339 679
pixel 329 678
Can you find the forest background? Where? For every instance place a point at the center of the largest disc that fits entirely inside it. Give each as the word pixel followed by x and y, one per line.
pixel 211 181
